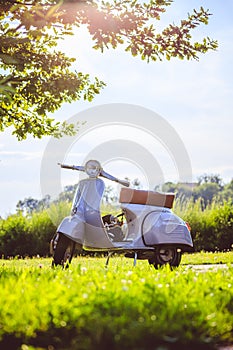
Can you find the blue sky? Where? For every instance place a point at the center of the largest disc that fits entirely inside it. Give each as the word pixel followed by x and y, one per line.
pixel 195 98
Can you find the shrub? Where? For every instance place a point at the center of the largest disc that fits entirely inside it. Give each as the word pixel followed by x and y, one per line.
pixel 15 239
pixel 41 228
pixel 211 227
pixel 26 235
pixel 57 211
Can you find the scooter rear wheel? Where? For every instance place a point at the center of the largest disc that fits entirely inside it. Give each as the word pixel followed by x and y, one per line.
pixel 166 255
pixel 64 251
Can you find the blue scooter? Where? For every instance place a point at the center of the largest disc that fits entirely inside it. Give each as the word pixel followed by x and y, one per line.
pixel 146 227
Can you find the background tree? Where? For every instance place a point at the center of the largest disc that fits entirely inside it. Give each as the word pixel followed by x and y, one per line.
pixel 211 178
pixel 227 192
pixel 110 196
pixel 68 194
pixel 136 184
pixel 207 191
pixel 29 205
pixel 208 188
pixel 35 79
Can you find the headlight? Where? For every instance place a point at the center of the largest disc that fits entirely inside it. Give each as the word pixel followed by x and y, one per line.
pixel 93 168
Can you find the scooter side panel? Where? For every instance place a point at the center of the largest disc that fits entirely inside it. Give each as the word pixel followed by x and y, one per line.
pixel 164 227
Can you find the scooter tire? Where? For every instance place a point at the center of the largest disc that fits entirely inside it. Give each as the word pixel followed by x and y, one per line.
pixel 64 251
pixel 166 255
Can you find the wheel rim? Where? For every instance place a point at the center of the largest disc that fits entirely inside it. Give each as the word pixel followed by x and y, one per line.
pixel 166 255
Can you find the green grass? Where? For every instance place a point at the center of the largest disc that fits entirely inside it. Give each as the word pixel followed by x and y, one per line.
pixel 121 307
pixel 208 258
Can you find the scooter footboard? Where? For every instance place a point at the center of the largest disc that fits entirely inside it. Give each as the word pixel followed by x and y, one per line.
pixel 164 227
pixel 96 238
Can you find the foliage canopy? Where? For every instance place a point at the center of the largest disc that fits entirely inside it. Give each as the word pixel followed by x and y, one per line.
pixel 36 79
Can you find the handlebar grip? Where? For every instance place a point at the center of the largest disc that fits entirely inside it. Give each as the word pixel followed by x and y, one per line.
pixel 73 167
pixel 65 166
pixel 124 182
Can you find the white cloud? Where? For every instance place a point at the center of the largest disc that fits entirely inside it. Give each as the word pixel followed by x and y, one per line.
pixel 19 156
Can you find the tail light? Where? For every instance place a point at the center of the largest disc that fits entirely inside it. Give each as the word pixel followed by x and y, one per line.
pixel 188 226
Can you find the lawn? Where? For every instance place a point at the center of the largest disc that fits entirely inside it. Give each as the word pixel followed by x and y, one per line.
pixel 89 306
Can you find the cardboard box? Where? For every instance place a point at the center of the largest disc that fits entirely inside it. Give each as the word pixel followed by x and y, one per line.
pixel 130 195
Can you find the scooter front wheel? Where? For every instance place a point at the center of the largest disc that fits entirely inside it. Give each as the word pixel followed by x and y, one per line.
pixel 64 251
pixel 166 255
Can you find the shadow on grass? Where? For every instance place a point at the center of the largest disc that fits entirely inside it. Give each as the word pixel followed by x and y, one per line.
pixel 68 339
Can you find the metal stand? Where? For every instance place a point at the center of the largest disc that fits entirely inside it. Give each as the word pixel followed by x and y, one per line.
pixel 135 258
pixel 111 253
pixel 108 257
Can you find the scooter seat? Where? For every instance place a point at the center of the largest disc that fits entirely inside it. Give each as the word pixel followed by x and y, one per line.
pixel 130 195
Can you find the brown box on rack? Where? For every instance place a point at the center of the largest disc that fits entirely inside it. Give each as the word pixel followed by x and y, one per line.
pixel 130 195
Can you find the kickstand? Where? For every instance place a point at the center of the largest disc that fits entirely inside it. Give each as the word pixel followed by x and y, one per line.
pixel 135 258
pixel 108 257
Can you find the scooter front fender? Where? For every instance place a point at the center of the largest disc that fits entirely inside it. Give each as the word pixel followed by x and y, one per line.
pixel 73 227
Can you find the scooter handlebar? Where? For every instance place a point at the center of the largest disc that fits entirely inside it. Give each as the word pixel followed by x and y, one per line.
pixel 102 173
pixel 113 178
pixel 72 167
